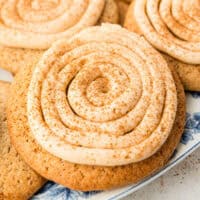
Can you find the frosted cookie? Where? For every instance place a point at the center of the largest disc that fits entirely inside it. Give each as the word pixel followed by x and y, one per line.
pixel 17 180
pixel 28 28
pixel 99 110
pixel 173 27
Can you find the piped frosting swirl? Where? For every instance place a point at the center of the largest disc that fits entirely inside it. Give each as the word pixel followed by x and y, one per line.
pixel 36 24
pixel 172 26
pixel 104 97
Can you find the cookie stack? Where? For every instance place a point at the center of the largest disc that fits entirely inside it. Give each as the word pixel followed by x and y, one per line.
pixel 93 105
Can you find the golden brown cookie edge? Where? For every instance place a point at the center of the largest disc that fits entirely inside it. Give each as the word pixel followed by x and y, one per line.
pixel 16 179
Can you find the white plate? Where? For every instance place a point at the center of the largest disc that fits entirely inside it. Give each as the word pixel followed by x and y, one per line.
pixel 189 142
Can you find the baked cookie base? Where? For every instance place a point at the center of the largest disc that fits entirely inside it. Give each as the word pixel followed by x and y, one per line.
pixel 12 59
pixel 189 74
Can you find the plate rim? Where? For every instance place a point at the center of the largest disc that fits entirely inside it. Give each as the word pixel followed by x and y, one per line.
pixel 156 175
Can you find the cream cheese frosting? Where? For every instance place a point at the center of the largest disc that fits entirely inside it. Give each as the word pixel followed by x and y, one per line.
pixel 172 26
pixel 36 24
pixel 104 97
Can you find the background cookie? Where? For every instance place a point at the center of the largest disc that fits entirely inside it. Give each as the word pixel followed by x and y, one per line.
pixel 110 13
pixel 189 74
pixel 12 54
pixel 173 33
pixel 127 1
pixel 123 8
pixel 17 180
pixel 12 59
pixel 79 176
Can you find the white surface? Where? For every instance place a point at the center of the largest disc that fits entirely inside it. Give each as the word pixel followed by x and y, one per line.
pixel 5 76
pixel 180 183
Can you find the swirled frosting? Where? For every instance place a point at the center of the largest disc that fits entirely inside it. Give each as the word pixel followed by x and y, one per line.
pixel 104 97
pixel 172 26
pixel 36 24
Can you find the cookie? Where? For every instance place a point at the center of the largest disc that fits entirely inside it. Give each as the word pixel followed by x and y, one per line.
pixel 13 59
pixel 99 110
pixel 17 180
pixel 173 28
pixel 127 1
pixel 110 13
pixel 123 7
pixel 189 74
pixel 29 28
